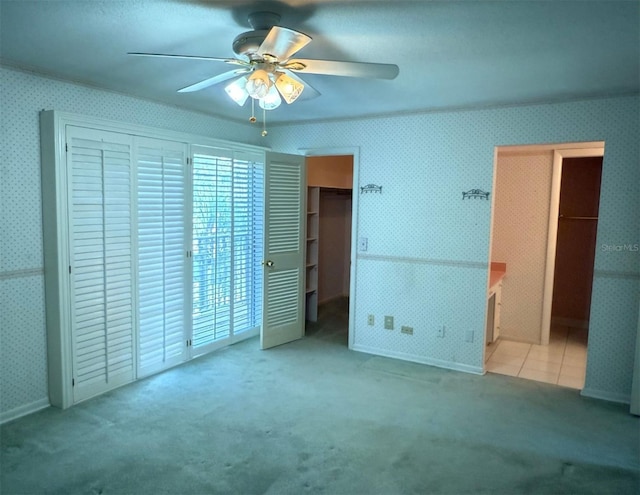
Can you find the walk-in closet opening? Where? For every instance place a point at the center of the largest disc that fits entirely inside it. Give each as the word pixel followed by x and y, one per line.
pixel 329 233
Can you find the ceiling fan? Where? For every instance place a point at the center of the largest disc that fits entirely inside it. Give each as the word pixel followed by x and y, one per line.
pixel 265 70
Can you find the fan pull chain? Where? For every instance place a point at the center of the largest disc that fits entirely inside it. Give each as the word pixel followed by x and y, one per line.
pixel 264 122
pixel 253 119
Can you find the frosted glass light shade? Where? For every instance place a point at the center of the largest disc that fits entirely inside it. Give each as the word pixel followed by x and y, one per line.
pixel 258 84
pixel 271 101
pixel 289 88
pixel 237 92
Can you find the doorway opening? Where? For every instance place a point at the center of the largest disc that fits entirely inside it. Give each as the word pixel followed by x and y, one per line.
pixel 575 247
pixel 543 234
pixel 330 181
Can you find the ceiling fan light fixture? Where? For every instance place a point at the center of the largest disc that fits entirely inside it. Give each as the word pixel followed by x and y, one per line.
pixel 267 71
pixel 289 88
pixel 258 84
pixel 237 92
pixel 271 101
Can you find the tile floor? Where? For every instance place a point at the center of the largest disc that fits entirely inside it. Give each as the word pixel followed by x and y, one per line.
pixel 563 362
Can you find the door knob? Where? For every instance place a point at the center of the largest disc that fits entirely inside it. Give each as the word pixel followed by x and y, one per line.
pixel 268 263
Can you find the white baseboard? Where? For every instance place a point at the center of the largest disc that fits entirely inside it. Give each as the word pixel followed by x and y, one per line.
pixel 604 395
pixel 18 412
pixel 438 363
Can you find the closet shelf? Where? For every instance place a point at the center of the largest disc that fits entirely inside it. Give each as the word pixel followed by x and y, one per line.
pixel 313 233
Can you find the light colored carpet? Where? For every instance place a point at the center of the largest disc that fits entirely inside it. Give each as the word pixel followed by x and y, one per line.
pixel 314 417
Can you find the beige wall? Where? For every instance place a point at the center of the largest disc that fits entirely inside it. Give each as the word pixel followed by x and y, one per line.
pixel 520 228
pixel 334 244
pixel 330 171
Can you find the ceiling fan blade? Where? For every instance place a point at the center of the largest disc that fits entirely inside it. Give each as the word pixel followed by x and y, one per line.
pixel 347 69
pixel 213 80
pixel 309 91
pixel 282 43
pixel 191 57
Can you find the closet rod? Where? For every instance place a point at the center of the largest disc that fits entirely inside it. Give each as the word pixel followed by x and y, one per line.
pixel 578 218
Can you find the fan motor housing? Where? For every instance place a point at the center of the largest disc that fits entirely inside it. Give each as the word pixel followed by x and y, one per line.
pixel 248 43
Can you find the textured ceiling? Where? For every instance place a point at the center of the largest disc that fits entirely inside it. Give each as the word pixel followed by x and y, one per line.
pixel 451 54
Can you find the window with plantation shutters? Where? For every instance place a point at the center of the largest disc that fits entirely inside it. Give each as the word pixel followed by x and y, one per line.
pixel 227 245
pixel 100 245
pixel 152 250
pixel 162 287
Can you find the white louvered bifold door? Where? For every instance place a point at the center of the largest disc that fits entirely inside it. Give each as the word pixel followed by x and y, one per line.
pixel 100 244
pixel 283 306
pixel 162 288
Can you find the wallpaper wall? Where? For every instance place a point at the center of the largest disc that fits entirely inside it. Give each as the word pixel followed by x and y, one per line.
pixel 23 365
pixel 520 228
pixel 426 262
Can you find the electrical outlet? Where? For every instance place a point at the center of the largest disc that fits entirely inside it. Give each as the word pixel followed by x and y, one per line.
pixel 371 320
pixel 388 322
pixel 469 336
pixel 440 333
pixel 407 330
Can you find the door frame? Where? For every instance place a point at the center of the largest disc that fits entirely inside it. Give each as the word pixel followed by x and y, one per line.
pixel 355 152
pixel 552 238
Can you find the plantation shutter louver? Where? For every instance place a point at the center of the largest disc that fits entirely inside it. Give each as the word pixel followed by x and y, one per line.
pixel 227 245
pixel 248 200
pixel 99 170
pixel 161 254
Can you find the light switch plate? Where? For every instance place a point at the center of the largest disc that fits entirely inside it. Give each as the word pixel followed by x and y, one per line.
pixel 363 243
